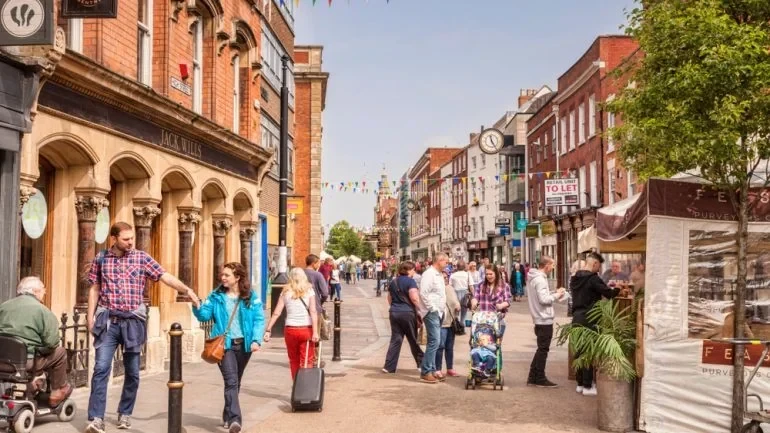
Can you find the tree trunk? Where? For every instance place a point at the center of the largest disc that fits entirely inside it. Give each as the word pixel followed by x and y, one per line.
pixel 739 308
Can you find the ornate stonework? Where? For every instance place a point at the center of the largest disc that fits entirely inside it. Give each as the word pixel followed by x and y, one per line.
pixel 247 230
pixel 188 220
pixel 222 225
pixel 143 215
pixel 89 206
pixel 25 192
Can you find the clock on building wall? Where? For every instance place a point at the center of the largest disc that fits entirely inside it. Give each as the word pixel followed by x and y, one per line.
pixel 491 141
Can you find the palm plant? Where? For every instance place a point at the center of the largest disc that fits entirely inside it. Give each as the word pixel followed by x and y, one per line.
pixel 609 346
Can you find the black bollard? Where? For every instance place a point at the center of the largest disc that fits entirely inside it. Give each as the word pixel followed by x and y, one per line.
pixel 175 383
pixel 337 331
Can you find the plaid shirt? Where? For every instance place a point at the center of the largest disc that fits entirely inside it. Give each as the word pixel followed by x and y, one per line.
pixel 488 301
pixel 122 279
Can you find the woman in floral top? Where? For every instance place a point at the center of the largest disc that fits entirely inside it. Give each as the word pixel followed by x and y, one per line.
pixel 493 295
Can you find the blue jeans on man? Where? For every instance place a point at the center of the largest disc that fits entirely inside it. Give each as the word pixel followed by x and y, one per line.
pixel 432 322
pixel 97 403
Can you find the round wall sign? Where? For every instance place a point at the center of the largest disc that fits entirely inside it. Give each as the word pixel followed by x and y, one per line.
pixel 34 215
pixel 22 18
pixel 102 225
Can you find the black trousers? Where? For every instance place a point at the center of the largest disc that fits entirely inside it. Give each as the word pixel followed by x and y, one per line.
pixel 544 335
pixel 402 324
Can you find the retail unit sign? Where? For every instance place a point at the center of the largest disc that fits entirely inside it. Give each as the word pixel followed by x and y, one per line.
pixel 561 192
pixel 26 22
pixel 89 8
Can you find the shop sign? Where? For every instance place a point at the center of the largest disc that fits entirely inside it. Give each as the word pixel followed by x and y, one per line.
pixel 89 8
pixel 473 245
pixel 26 22
pixel 295 206
pixel 102 228
pixel 561 192
pixel 34 215
pixel 521 224
pixel 548 228
pixel 717 353
pixel 502 222
pixel 533 231
pixel 498 242
pixel 505 230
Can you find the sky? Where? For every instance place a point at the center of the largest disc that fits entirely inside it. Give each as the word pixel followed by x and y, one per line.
pixel 412 74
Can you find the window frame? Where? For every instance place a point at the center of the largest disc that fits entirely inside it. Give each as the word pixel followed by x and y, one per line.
pixel 592 115
pixel 144 43
pixel 197 65
pixel 237 93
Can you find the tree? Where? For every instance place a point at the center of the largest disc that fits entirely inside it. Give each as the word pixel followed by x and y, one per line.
pixel 343 240
pixel 700 103
pixel 367 252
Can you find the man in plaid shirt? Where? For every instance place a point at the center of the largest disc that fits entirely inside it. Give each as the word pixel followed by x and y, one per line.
pixel 117 317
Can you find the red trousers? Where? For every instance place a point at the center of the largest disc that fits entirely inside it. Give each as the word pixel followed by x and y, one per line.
pixel 296 345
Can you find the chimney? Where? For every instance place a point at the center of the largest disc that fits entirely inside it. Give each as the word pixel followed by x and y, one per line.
pixel 525 95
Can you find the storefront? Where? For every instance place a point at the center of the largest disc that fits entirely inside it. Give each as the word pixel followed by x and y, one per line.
pixel 477 250
pixel 567 228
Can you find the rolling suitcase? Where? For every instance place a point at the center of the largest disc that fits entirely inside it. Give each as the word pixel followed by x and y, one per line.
pixel 308 391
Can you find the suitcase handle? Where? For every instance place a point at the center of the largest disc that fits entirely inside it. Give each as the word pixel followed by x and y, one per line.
pixel 307 351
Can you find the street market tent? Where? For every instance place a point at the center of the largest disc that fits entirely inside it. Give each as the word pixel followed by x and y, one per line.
pixel 354 258
pixel 324 255
pixel 687 230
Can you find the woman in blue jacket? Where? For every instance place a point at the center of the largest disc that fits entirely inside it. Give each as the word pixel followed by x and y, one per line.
pixel 234 297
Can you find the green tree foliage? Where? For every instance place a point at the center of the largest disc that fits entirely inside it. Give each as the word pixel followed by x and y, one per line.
pixel 343 240
pixel 367 252
pixel 700 103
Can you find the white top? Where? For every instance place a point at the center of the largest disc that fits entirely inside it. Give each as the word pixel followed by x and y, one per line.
pixel 335 276
pixel 433 290
pixel 460 281
pixel 296 313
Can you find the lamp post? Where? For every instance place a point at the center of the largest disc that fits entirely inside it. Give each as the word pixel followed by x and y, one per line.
pixel 282 278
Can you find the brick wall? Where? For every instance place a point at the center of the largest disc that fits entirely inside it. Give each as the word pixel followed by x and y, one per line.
pixel 540 130
pixel 302 172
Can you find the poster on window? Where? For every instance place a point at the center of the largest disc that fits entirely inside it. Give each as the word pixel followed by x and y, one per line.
pixel 89 8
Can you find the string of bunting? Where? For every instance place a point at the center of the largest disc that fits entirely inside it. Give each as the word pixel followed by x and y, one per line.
pixel 297 2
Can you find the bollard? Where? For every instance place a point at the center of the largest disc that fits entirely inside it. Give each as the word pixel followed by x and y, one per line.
pixel 175 383
pixel 337 331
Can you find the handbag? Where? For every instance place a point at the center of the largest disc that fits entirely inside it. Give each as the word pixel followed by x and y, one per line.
pixel 456 326
pixel 324 324
pixel 214 348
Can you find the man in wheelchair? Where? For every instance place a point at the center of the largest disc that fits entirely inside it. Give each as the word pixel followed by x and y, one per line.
pixel 26 318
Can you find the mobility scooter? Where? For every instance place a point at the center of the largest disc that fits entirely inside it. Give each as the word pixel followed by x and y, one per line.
pixel 24 397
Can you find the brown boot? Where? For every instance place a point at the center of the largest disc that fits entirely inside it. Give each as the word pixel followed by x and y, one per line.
pixel 60 395
pixel 429 378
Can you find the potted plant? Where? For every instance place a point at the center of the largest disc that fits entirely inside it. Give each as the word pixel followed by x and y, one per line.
pixel 609 349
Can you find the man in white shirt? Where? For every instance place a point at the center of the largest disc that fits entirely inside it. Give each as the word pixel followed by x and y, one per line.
pixel 433 297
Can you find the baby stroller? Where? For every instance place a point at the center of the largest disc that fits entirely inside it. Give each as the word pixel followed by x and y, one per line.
pixel 486 363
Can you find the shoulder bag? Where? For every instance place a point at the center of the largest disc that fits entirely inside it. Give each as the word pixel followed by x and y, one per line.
pixel 324 324
pixel 468 297
pixel 456 326
pixel 214 348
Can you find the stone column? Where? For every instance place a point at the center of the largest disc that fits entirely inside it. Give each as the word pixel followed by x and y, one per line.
pixel 222 224
pixel 88 206
pixel 248 229
pixel 188 219
pixel 143 216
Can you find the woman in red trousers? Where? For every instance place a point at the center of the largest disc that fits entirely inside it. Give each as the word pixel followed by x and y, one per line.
pixel 301 320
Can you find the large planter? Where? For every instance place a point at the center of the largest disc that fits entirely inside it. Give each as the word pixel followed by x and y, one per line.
pixel 616 404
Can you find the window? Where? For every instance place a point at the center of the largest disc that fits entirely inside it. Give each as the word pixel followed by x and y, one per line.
pixel 483 160
pixel 582 123
pixel 545 146
pixel 75 34
pixel 473 162
pixel 563 136
pixel 483 194
pixel 572 125
pixel 144 42
pixel 197 72
pixel 611 181
pixel 594 185
pixel 582 186
pixel 592 115
pixel 610 124
pixel 631 178
pixel 481 220
pixel 475 228
pixel 236 93
pixel 271 52
pixel 554 141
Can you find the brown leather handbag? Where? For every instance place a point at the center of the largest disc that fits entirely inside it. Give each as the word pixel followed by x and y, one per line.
pixel 214 348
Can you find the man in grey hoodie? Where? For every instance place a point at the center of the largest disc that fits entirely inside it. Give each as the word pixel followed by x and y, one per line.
pixel 541 302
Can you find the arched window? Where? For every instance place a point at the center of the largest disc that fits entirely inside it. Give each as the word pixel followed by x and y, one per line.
pixel 202 15
pixel 243 45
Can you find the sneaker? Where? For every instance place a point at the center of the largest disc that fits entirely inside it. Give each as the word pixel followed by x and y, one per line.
pixel 439 375
pixel 545 383
pixel 226 425
pixel 235 427
pixel 385 370
pixel 589 391
pixel 96 426
pixel 579 389
pixel 124 422
pixel 452 373
pixel 428 378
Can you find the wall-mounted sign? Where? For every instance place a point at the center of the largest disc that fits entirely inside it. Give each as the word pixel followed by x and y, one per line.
pixel 502 222
pixel 102 228
pixel 89 8
pixel 26 22
pixel 533 230
pixel 34 215
pixel 295 206
pixel 177 84
pixel 548 228
pixel 561 192
pixel 521 224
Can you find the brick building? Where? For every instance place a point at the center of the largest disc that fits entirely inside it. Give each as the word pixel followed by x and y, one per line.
pixel 166 117
pixel 385 211
pixel 460 224
pixel 311 83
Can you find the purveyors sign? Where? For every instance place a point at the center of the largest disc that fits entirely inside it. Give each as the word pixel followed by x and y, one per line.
pixel 561 192
pixel 26 22
pixel 89 8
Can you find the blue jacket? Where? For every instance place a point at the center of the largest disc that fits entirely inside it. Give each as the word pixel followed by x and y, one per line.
pixel 252 318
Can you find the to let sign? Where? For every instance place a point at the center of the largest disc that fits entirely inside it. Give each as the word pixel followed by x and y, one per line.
pixel 561 192
pixel 89 8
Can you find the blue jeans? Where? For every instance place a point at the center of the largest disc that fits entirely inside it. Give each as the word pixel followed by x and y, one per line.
pixel 97 402
pixel 446 346
pixel 232 367
pixel 432 323
pixel 337 288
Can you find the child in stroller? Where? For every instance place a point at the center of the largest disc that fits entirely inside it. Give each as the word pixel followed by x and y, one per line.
pixel 486 352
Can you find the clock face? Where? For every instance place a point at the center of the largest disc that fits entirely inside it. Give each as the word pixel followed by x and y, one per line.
pixel 491 141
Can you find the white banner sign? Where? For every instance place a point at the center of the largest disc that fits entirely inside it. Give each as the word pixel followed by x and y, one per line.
pixel 561 192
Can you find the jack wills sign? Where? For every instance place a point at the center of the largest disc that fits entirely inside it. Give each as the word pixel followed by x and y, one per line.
pixel 89 8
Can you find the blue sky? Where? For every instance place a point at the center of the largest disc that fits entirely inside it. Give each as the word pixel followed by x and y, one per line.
pixel 410 74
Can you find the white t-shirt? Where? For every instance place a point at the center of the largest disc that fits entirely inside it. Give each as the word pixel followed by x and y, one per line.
pixel 335 276
pixel 296 313
pixel 460 281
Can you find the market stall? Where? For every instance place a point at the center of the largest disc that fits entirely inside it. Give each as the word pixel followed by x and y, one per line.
pixel 687 231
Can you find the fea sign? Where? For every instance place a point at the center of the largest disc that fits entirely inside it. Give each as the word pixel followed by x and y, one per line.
pixel 26 22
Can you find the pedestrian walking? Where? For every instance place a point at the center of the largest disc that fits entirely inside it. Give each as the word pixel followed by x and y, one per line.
pixel 404 300
pixel 493 295
pixel 301 325
pixel 446 345
pixel 335 288
pixel 541 308
pixel 238 315
pixel 462 284
pixel 474 274
pixel 317 281
pixel 517 281
pixel 117 316
pixel 433 297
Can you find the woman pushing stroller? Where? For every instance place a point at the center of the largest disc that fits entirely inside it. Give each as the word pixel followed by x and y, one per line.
pixel 493 295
